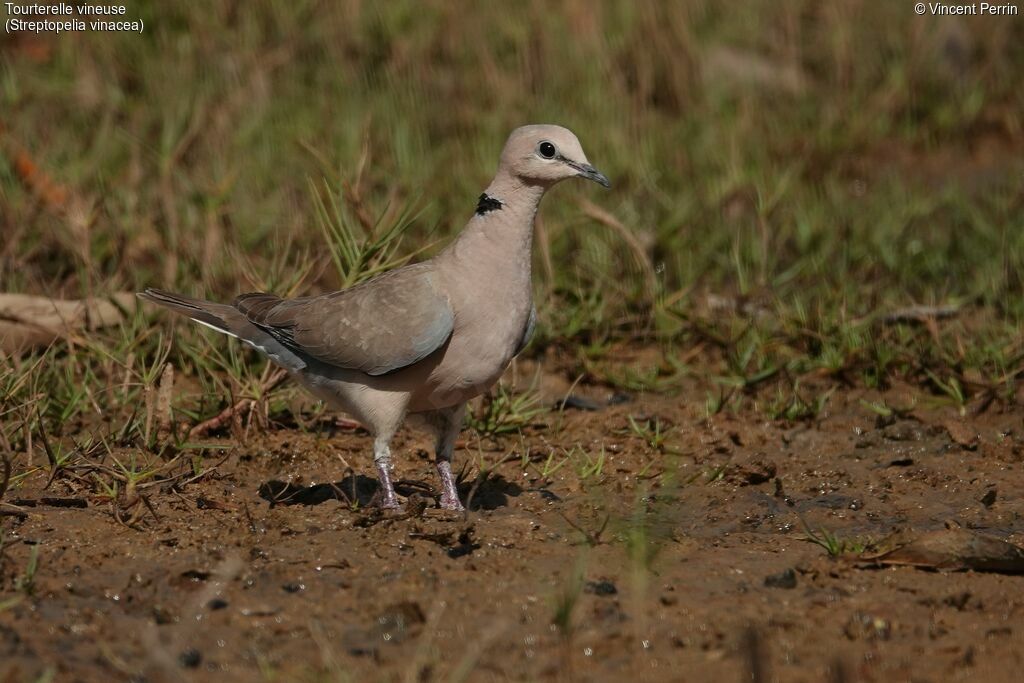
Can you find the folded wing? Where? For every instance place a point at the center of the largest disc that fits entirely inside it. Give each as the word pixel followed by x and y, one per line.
pixel 392 321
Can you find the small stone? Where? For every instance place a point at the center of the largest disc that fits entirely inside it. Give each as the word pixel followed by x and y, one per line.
pixel 751 472
pixel 962 435
pixel 217 603
pixel 883 421
pixel 162 615
pixel 602 587
pixel 190 658
pixel 867 627
pixel 958 601
pixel 415 506
pixel 784 579
pixel 903 431
pixel 574 402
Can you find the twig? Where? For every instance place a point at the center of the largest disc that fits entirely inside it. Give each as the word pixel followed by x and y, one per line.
pixel 164 393
pixel 921 314
pixel 482 477
pixel 52 502
pixel 639 253
pixel 240 407
pixel 177 480
pixel 354 190
pixel 248 518
pixel 591 539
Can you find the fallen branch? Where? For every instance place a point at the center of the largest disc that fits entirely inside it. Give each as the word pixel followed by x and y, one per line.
pixel 28 321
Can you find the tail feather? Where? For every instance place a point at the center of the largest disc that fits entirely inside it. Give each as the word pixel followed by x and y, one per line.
pixel 206 312
pixel 228 320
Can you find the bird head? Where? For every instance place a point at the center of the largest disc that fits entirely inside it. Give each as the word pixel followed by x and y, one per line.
pixel 546 154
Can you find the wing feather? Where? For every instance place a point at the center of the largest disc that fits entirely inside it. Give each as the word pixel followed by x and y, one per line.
pixel 392 321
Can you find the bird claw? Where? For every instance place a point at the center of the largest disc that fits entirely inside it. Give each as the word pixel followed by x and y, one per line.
pixel 451 503
pixel 390 504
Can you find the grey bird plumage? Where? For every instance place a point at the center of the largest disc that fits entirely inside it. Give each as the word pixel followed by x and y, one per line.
pixel 424 339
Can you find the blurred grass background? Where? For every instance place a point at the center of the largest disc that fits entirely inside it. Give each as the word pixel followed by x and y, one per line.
pixel 784 174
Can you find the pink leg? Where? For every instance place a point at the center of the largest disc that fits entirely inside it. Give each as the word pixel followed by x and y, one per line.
pixel 448 423
pixel 389 500
pixel 449 492
pixel 382 458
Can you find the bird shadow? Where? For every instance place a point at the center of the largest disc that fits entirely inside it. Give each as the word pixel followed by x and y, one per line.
pixel 490 494
pixel 358 490
pixel 354 489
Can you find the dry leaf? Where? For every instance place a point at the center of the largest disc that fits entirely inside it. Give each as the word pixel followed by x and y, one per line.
pixel 949 549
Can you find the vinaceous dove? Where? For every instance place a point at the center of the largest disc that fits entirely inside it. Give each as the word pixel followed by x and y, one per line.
pixel 423 339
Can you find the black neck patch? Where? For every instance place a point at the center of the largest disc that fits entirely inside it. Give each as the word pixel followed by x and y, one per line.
pixel 486 204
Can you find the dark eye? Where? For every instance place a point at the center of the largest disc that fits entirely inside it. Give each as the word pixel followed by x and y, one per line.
pixel 547 150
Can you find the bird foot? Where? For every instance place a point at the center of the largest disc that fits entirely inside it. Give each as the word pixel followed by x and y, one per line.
pixel 449 491
pixel 451 503
pixel 390 503
pixel 389 500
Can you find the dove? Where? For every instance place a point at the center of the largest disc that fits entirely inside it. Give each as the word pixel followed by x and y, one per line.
pixel 421 340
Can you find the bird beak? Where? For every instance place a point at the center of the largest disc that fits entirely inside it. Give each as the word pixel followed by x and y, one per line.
pixel 590 173
pixel 587 171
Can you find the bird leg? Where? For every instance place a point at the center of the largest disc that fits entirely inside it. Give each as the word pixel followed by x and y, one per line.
pixel 449 492
pixel 382 459
pixel 448 425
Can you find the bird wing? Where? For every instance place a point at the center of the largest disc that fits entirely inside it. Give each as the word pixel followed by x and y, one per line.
pixel 387 323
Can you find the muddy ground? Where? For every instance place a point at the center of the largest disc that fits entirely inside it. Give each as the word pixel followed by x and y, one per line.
pixel 681 560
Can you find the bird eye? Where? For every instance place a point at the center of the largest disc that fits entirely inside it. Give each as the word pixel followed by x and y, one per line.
pixel 546 149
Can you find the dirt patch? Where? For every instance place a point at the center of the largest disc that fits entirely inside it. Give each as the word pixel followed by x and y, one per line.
pixel 602 552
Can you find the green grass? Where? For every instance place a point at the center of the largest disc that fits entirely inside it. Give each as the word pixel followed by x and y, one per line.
pixel 763 223
pixel 503 412
pixel 26 582
pixel 567 597
pixel 652 433
pixel 835 545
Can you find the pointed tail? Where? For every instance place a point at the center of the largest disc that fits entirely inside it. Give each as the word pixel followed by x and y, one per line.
pixel 229 320
pixel 204 312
